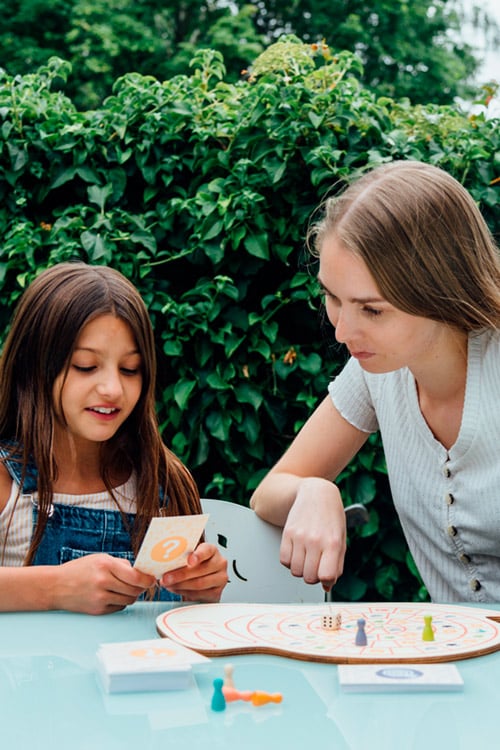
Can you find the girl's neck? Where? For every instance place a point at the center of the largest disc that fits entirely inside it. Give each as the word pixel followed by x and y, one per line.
pixel 79 468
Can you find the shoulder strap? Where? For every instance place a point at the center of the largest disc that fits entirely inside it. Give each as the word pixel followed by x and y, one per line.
pixel 14 466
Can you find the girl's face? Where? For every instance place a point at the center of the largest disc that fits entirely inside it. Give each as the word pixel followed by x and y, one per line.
pixel 104 381
pixel 380 336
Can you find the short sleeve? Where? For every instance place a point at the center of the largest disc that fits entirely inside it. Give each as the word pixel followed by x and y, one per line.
pixel 351 397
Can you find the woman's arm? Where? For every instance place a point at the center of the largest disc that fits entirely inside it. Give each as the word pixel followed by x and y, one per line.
pixel 299 494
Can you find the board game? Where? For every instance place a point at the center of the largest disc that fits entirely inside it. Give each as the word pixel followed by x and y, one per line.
pixel 393 631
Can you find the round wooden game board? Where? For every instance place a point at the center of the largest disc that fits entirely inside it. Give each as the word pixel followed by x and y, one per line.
pixel 394 631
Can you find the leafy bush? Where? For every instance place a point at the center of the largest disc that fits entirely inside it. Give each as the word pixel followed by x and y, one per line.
pixel 201 192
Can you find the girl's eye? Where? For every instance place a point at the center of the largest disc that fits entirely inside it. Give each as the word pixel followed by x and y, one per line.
pixel 130 370
pixel 84 369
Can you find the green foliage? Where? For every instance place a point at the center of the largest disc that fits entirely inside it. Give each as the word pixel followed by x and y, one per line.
pixel 200 192
pixel 105 39
pixel 406 48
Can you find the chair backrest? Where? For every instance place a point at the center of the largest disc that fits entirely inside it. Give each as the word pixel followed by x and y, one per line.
pixel 251 547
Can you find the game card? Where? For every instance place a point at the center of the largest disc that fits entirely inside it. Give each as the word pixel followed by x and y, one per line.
pixel 168 543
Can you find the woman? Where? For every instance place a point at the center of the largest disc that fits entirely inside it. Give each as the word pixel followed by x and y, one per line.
pixel 411 278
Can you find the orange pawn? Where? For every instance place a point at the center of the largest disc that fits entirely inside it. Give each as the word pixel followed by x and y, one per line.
pixel 259 698
pixel 231 694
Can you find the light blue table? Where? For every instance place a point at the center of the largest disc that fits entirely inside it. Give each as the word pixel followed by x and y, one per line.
pixel 50 698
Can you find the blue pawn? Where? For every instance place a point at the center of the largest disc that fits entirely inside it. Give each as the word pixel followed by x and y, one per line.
pixel 361 635
pixel 218 700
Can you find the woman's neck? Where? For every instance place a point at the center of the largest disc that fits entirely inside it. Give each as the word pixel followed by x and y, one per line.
pixel 441 389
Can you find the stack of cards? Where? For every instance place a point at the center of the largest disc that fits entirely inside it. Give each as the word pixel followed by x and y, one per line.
pixel 367 678
pixel 158 664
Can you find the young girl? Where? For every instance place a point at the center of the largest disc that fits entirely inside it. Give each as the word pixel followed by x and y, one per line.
pixel 411 278
pixel 83 468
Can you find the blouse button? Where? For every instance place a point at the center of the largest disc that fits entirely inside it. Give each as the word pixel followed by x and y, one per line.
pixel 452 530
pixel 447 472
pixel 475 584
pixel 465 558
pixel 450 499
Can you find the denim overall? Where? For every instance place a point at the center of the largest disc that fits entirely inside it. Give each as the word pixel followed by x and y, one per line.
pixel 73 531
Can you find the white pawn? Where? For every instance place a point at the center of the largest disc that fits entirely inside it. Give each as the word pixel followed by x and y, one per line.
pixel 228 676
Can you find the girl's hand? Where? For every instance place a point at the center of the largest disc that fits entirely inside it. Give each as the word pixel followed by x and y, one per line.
pixel 202 579
pixel 97 584
pixel 313 544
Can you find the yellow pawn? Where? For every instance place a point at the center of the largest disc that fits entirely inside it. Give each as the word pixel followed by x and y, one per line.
pixel 428 632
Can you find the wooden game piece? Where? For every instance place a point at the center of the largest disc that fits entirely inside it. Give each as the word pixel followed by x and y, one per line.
pixel 331 621
pixel 218 699
pixel 228 676
pixel 361 639
pixel 428 632
pixel 232 694
pixel 259 698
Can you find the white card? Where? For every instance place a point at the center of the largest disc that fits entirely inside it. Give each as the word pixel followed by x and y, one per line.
pixel 168 543
pixel 399 677
pixel 152 655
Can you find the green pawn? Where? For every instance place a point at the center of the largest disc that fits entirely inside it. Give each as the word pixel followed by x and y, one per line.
pixel 427 633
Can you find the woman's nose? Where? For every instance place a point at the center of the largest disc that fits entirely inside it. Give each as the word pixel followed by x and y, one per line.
pixel 341 325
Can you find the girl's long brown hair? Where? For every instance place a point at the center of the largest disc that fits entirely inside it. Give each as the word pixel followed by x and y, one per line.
pixel 45 327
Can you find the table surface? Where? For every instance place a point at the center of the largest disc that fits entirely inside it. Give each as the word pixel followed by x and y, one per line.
pixel 50 697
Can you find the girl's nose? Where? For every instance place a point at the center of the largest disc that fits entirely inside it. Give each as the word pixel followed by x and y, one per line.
pixel 110 384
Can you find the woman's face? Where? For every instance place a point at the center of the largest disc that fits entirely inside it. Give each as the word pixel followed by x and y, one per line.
pixel 103 383
pixel 380 336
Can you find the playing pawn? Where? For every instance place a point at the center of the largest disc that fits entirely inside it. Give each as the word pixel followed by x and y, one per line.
pixel 232 694
pixel 361 635
pixel 218 699
pixel 260 698
pixel 228 676
pixel 428 632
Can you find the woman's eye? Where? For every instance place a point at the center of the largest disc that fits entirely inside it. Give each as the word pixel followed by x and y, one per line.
pixel 80 368
pixel 130 370
pixel 372 312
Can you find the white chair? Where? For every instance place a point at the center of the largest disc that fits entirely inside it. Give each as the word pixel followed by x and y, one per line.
pixel 251 548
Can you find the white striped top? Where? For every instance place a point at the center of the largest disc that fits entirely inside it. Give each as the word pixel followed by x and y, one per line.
pixel 21 524
pixel 448 501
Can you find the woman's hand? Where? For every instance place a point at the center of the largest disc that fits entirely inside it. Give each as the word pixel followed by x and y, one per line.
pixel 313 544
pixel 202 579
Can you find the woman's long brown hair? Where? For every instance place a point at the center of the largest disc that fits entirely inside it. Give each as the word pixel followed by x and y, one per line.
pixel 424 241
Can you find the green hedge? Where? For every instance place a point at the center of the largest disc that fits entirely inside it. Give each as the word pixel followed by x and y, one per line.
pixel 201 192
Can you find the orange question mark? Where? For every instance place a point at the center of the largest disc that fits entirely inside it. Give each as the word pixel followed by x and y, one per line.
pixel 168 549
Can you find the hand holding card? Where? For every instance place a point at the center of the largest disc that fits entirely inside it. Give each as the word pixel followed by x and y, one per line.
pixel 168 543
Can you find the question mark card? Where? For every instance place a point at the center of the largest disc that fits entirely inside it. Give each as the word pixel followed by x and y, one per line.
pixel 168 542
